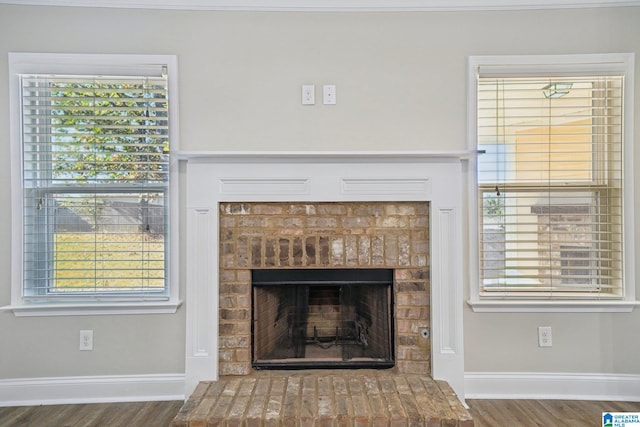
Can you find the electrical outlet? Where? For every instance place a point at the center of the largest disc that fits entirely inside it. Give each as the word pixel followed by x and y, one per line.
pixel 544 336
pixel 86 340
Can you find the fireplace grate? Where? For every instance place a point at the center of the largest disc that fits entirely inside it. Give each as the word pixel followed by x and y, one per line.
pixel 317 318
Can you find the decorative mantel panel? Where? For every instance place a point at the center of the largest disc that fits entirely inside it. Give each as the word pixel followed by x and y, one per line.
pixel 213 179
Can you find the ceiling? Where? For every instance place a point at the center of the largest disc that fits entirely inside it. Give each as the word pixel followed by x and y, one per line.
pixel 333 5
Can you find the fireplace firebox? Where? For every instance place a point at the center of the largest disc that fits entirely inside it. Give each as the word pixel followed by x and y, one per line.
pixel 322 318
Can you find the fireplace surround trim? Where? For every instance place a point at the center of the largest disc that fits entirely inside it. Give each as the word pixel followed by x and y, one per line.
pixel 308 177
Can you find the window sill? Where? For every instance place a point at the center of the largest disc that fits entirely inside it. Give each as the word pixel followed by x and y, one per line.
pixel 102 308
pixel 556 306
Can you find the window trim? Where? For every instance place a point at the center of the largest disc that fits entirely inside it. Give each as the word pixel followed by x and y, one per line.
pixel 20 63
pixel 513 65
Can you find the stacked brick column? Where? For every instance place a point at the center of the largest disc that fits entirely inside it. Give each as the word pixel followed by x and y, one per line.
pixel 325 235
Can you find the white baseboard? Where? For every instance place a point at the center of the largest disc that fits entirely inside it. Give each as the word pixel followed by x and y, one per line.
pixel 547 385
pixel 91 389
pixel 164 387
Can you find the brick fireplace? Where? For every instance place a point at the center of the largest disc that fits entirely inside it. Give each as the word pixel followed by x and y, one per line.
pixel 337 236
pixel 394 211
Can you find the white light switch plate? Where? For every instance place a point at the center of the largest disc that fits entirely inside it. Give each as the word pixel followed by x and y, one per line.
pixel 308 94
pixel 329 94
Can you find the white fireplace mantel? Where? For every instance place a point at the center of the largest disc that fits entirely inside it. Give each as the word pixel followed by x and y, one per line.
pixel 214 177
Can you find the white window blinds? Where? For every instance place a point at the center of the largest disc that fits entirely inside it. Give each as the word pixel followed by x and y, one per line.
pixel 550 185
pixel 95 179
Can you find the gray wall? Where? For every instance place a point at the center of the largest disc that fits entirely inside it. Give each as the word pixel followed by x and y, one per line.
pixel 401 84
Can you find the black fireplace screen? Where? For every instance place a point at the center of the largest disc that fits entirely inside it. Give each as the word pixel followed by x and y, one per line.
pixel 322 318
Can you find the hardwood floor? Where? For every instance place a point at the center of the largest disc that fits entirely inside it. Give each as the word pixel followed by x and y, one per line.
pixel 486 413
pixel 136 414
pixel 547 413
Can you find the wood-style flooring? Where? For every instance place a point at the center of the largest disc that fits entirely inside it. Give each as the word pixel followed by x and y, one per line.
pixel 136 414
pixel 548 413
pixel 486 413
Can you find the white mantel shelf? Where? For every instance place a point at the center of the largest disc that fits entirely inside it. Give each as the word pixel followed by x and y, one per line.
pixel 328 155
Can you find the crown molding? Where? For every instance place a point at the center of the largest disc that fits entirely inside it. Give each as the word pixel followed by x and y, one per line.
pixel 332 5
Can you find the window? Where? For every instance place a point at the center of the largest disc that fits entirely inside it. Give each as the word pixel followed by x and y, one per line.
pixel 551 133
pixel 92 146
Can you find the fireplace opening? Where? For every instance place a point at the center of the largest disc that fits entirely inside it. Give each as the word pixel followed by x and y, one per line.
pixel 322 318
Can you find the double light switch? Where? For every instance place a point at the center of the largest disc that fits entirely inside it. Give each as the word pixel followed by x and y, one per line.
pixel 309 94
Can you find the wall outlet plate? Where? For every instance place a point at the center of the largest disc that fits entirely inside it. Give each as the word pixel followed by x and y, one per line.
pixel 86 340
pixel 544 336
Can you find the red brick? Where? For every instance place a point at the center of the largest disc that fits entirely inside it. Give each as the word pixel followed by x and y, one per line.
pixel 341 398
pixel 272 235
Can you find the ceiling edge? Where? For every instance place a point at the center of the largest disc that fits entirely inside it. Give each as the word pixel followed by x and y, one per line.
pixel 332 5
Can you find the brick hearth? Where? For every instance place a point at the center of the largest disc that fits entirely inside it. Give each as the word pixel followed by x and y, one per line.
pixel 315 398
